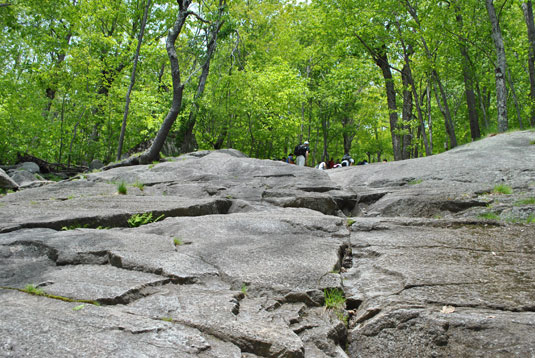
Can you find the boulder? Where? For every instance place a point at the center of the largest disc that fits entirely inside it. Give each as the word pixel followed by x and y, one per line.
pixel 6 182
pixel 29 167
pixel 95 164
pixel 25 177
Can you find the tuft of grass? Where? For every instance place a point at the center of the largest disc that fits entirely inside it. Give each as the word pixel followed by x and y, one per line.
pixel 502 189
pixel 244 289
pixel 415 181
pixel 142 219
pixel 528 201
pixel 121 188
pixel 350 222
pixel 139 185
pixel 166 319
pixel 530 219
pixel 532 142
pixel 31 289
pixel 74 227
pixel 489 216
pixel 334 298
pixel 52 177
pixel 177 241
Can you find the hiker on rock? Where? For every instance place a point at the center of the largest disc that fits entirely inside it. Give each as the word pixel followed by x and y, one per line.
pixel 301 152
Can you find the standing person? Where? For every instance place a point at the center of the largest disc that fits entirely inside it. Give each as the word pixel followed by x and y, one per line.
pixel 301 151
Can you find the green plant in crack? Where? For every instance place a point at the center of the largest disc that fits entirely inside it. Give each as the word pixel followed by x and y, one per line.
pixel 121 188
pixel 527 201
pixel 142 219
pixel 244 289
pixel 74 227
pixel 334 298
pixel 177 241
pixel 350 222
pixel 139 185
pixel 415 181
pixel 31 289
pixel 502 189
pixel 489 216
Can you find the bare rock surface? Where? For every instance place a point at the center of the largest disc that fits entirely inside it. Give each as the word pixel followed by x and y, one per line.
pixel 430 257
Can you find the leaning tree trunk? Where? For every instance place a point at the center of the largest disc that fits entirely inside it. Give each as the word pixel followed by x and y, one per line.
pixel 186 138
pixel 528 16
pixel 501 88
pixel 132 81
pixel 153 152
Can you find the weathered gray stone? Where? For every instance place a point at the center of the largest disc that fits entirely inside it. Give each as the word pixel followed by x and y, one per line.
pixel 25 177
pixel 238 265
pixel 6 182
pixel 38 326
pixel 95 164
pixel 29 167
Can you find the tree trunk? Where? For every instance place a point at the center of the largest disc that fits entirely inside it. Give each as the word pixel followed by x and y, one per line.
pixel 381 59
pixel 186 138
pixel 405 125
pixel 468 83
pixel 132 81
pixel 409 81
pixel 515 98
pixel 501 89
pixel 153 152
pixel 429 117
pixel 528 16
pixel 450 128
pixel 325 130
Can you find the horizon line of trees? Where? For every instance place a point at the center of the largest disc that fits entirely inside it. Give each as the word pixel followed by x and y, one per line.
pixel 397 79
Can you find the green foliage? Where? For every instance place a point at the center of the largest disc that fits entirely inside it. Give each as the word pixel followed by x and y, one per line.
pixel 415 182
pixel 502 189
pixel 489 216
pixel 244 289
pixel 143 219
pixel 139 185
pixel 350 222
pixel 177 241
pixel 527 201
pixel 74 227
pixel 121 188
pixel 31 289
pixel 284 71
pixel 334 298
pixel 78 308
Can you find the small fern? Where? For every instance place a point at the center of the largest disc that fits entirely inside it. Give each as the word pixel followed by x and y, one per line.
pixel 142 219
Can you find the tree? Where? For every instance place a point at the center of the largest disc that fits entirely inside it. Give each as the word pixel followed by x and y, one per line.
pixel 132 81
pixel 501 89
pixel 153 152
pixel 528 16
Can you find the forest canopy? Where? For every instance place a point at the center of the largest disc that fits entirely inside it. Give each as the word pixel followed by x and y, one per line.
pixel 393 79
